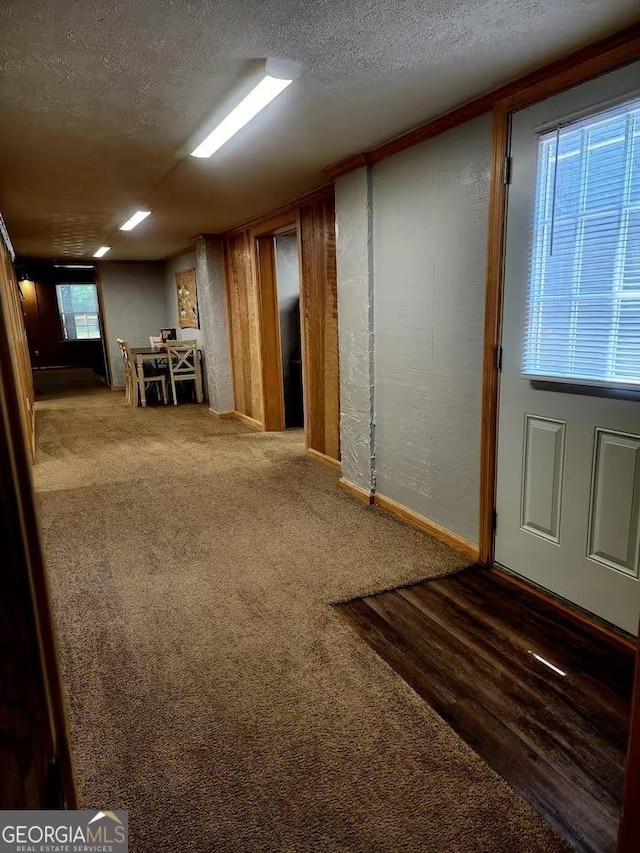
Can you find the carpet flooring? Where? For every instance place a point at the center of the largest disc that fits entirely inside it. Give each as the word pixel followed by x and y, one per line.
pixel 213 691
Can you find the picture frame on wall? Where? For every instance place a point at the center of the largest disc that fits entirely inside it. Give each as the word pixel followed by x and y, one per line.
pixel 187 299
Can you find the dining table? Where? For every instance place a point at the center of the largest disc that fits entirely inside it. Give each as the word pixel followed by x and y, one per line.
pixel 155 353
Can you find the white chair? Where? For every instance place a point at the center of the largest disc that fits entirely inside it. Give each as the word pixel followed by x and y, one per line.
pixel 184 364
pixel 132 387
pixel 130 381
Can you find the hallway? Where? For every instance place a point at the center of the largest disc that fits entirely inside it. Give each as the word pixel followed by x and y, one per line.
pixel 212 690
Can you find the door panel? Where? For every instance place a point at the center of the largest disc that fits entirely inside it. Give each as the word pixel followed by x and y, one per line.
pixel 568 466
pixel 615 498
pixel 542 476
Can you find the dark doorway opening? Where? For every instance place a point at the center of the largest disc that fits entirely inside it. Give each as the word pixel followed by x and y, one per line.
pixel 62 313
pixel 288 288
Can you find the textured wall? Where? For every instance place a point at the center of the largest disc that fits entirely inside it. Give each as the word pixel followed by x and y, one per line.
pixel 134 306
pixel 354 249
pixel 430 232
pixel 212 303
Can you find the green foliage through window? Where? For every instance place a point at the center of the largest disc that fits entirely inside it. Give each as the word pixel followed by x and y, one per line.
pixel 78 306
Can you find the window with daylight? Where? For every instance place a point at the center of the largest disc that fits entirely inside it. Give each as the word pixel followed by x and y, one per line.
pixel 78 306
pixel 583 315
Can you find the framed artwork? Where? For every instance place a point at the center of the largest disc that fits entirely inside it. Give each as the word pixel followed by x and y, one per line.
pixel 187 299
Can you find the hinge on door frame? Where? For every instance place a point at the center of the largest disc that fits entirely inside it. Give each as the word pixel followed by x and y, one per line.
pixel 494 519
pixel 499 358
pixel 506 170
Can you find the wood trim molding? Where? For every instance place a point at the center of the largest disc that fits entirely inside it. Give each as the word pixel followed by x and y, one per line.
pixel 492 334
pixel 252 422
pixel 581 65
pixel 425 525
pixel 116 387
pixel 629 836
pixel 350 164
pixel 228 414
pixel 322 457
pixel 356 492
pixel 273 414
pixel 276 225
pixel 261 221
pixel 578 616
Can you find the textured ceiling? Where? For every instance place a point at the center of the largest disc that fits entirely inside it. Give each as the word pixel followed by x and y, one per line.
pixel 98 101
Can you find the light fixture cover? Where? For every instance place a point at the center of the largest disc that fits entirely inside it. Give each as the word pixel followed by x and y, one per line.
pixel 257 99
pixel 102 251
pixel 134 220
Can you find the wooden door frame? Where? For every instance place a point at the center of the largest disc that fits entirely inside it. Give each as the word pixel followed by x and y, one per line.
pixel 26 592
pixel 593 64
pixel 263 245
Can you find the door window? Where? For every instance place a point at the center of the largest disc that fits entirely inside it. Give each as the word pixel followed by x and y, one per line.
pixel 583 307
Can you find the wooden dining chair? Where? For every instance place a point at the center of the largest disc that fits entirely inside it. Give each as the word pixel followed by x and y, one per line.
pixel 130 381
pixel 133 381
pixel 184 364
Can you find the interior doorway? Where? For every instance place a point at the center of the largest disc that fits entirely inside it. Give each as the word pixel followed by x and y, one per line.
pixel 61 306
pixel 288 290
pixel 568 462
pixel 281 328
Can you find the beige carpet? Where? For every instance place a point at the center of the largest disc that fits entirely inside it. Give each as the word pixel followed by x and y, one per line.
pixel 213 691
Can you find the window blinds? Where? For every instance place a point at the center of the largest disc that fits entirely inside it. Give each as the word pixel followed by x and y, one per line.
pixel 583 312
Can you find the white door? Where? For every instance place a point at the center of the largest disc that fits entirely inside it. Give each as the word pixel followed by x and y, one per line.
pixel 568 478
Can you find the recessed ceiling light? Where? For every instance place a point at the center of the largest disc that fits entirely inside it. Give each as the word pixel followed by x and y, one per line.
pixel 101 251
pixel 134 220
pixel 257 99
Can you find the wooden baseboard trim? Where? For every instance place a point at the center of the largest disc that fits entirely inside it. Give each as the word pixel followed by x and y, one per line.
pixel 227 414
pixel 431 528
pixel 252 422
pixel 627 642
pixel 356 492
pixel 116 387
pixel 322 457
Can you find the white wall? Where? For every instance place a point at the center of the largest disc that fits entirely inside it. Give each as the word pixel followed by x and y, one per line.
pixel 429 207
pixel 134 306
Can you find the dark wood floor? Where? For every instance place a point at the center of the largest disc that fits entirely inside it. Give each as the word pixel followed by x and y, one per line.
pixel 468 644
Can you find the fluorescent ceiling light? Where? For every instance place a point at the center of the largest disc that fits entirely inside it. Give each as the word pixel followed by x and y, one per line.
pixel 257 99
pixel 134 220
pixel 73 266
pixel 101 251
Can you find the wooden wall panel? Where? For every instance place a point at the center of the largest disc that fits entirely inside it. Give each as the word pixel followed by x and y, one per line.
pixel 35 758
pixel 319 299
pixel 243 316
pixel 319 306
pixel 12 305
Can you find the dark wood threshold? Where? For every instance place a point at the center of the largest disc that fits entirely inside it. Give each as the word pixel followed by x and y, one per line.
pixel 588 620
pixel 542 696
